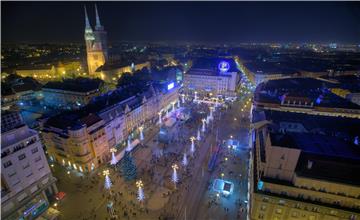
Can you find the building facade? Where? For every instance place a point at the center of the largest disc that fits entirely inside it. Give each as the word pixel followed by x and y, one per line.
pixel 221 80
pixel 112 72
pixel 300 171
pixel 80 144
pixel 26 180
pixel 82 140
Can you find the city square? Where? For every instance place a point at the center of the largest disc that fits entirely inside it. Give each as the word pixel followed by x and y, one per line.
pixel 180 110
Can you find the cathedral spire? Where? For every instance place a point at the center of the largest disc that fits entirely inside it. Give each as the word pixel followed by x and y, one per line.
pixel 98 24
pixel 87 23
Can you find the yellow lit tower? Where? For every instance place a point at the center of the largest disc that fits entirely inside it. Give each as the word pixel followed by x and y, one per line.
pixel 96 44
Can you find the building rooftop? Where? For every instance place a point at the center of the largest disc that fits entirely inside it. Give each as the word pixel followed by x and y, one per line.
pixel 21 133
pixel 75 85
pixel 316 124
pixel 273 91
pixel 114 101
pixel 317 144
pixel 348 82
pixel 120 64
pixel 211 65
pixel 331 168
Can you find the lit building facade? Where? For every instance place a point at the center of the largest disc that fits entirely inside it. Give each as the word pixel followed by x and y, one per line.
pixel 52 72
pixel 112 72
pixel 222 80
pixel 77 143
pixel 26 180
pixel 46 73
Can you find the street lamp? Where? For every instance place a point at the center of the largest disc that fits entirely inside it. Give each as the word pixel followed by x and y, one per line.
pixel 198 137
pixel 108 183
pixel 183 98
pixel 160 121
pixel 173 106
pixel 113 161
pixel 192 149
pixel 203 125
pixel 140 186
pixel 174 177
pixel 128 147
pixel 184 160
pixel 141 128
pixel 211 112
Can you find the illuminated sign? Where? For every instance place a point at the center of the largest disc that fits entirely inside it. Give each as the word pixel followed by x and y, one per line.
pixel 170 86
pixel 224 66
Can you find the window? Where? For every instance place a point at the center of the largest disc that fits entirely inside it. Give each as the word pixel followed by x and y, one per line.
pixel 38 159
pixel 278 211
pixel 7 164
pixel 30 174
pixel 281 202
pixel 34 150
pixel 22 156
pixel 26 166
pixel 12 174
pixel 295 214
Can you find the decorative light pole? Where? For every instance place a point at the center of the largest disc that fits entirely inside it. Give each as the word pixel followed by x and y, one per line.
pixel 192 148
pixel 174 177
pixel 195 98
pixel 184 161
pixel 183 98
pixel 141 128
pixel 211 113
pixel 198 137
pixel 203 125
pixel 160 121
pixel 113 161
pixel 128 147
pixel 140 186
pixel 108 183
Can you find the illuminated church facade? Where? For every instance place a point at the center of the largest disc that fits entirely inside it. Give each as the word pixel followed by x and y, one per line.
pixel 96 44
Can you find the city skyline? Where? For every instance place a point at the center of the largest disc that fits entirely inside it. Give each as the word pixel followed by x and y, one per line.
pixel 240 22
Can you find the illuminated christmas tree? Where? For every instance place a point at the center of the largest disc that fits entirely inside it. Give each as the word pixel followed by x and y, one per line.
pixel 128 167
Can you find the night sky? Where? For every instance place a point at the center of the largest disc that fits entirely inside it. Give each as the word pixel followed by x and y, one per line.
pixel 63 22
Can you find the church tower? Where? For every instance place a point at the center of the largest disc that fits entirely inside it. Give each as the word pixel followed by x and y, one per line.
pixel 96 44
